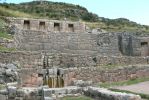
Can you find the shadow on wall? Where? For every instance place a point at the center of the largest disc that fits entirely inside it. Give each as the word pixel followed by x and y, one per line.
pixel 125 44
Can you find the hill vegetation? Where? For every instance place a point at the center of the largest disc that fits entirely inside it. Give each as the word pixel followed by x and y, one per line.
pixel 4 29
pixel 61 11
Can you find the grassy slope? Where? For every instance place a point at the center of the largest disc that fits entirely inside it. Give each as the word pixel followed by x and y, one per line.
pixel 5 35
pixel 121 27
pixel 3 29
pixel 12 13
pixel 124 83
pixel 55 10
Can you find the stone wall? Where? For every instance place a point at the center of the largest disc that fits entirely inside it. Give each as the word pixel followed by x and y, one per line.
pixel 35 60
pixel 71 37
pixel 6 43
pixel 22 59
pixel 29 78
pixel 47 25
pixel 74 43
pixel 104 94
pixel 45 93
pixel 95 74
pixel 129 44
pixel 79 67
pixel 109 75
pixel 78 43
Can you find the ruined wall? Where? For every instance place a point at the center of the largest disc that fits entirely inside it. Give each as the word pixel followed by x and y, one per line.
pixel 129 44
pixel 62 37
pixel 108 75
pixel 47 25
pixel 22 59
pixel 80 67
pixel 72 43
pixel 115 44
pixel 6 43
pixel 29 77
pixel 104 94
pixel 35 59
pixel 56 36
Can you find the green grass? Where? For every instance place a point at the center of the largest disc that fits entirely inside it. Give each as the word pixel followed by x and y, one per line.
pixel 3 30
pixel 144 96
pixel 124 83
pixel 11 13
pixel 5 35
pixel 2 48
pixel 76 98
pixel 119 28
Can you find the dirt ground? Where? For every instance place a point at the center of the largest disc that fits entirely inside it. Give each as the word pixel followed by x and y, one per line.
pixel 137 88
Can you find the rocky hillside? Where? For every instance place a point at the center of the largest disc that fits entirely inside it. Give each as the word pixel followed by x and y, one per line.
pixel 53 10
pixel 61 11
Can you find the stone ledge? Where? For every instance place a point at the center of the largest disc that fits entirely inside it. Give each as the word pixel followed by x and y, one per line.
pixel 104 94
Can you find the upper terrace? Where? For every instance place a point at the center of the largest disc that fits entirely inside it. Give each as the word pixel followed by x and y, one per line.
pixel 48 25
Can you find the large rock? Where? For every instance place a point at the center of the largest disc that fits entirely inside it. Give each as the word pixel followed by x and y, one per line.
pixel 104 94
pixel 82 83
pixel 11 66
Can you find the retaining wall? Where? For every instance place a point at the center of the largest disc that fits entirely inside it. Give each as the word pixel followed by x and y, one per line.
pixel 35 59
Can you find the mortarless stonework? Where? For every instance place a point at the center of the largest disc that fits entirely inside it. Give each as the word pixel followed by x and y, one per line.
pixel 109 75
pixel 63 60
pixel 71 37
pixel 74 54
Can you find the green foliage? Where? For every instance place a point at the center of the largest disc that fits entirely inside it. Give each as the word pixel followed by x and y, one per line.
pixel 52 10
pixel 2 25
pixel 3 29
pixel 115 26
pixel 5 35
pixel 77 98
pixel 124 83
pixel 90 17
pixel 12 13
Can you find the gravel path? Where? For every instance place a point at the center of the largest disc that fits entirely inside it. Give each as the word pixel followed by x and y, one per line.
pixel 137 88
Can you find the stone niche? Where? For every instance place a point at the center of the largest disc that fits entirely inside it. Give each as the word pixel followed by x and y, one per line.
pixel 144 46
pixel 144 49
pixel 26 24
pixel 70 27
pixel 42 25
pixel 56 26
pixel 48 25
